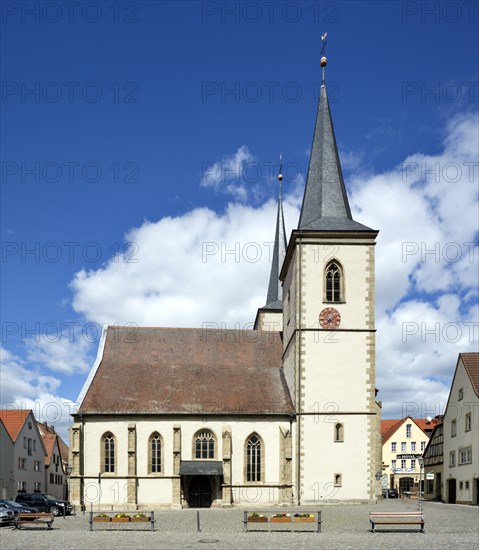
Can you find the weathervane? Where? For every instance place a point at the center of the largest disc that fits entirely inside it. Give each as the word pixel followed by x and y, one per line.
pixel 323 57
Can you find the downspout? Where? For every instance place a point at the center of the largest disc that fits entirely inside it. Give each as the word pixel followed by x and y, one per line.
pixel 82 465
pixel 298 401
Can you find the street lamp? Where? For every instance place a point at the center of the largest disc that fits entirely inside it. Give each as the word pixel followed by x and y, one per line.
pixel 421 465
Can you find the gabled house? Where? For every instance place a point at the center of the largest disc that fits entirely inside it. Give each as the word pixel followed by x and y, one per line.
pixel 461 434
pixel 27 454
pixel 56 461
pixel 6 463
pixel 404 442
pixel 434 463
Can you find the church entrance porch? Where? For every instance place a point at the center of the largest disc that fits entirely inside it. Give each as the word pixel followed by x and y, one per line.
pixel 201 482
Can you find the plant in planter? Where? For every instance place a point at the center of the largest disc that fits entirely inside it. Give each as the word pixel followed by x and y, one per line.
pixel 102 518
pixel 303 518
pixel 140 517
pixel 257 518
pixel 121 518
pixel 281 518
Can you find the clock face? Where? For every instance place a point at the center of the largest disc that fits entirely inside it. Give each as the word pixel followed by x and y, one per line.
pixel 329 318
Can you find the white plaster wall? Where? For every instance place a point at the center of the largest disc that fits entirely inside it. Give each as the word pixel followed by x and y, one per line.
pixel 29 475
pixel 457 410
pixel 270 321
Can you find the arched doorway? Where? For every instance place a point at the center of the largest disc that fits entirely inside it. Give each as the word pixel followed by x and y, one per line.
pixel 199 492
pixel 451 491
pixel 405 485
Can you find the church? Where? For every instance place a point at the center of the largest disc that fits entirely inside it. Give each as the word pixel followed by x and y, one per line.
pixel 284 414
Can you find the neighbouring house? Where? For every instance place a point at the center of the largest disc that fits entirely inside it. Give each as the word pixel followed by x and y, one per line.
pixel 26 454
pixel 404 442
pixel 434 463
pixel 461 434
pixel 7 480
pixel 56 461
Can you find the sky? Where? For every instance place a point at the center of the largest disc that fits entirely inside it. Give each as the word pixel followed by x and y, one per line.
pixel 139 152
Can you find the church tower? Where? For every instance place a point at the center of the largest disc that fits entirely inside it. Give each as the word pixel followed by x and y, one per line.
pixel 329 335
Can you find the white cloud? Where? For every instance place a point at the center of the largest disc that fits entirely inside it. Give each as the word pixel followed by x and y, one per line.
pixel 63 353
pixel 232 174
pixel 24 387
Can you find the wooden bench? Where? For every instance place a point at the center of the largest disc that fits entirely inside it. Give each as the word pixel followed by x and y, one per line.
pixel 44 518
pixel 396 518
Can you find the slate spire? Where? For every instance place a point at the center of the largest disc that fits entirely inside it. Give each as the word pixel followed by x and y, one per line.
pixel 274 298
pixel 325 202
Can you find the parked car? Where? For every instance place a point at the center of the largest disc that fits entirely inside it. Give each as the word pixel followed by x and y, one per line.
pixel 17 508
pixel 6 515
pixel 390 493
pixel 45 503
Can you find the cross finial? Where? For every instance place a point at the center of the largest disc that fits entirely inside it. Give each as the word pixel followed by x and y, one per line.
pixel 280 175
pixel 324 60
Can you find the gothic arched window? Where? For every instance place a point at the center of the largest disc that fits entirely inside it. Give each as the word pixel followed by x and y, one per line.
pixel 108 455
pixel 204 444
pixel 154 453
pixel 334 284
pixel 254 459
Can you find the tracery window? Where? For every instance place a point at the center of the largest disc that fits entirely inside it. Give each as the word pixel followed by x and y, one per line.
pixel 253 459
pixel 334 283
pixel 204 445
pixel 108 453
pixel 154 452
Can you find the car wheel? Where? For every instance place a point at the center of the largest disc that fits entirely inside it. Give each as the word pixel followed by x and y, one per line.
pixel 55 510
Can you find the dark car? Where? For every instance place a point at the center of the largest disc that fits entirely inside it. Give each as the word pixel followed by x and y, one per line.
pixel 17 507
pixel 45 503
pixel 390 493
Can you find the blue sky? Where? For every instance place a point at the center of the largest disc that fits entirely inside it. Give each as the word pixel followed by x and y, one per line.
pixel 120 121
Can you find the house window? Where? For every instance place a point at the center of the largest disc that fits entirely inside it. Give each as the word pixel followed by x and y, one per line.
pixel 37 487
pixel 460 394
pixel 338 433
pixel 29 446
pixel 333 283
pixel 465 455
pixel 34 444
pixel 413 446
pixel 452 458
pixel 413 463
pixel 21 463
pixel 253 459
pixel 51 478
pixel 393 446
pixel 423 446
pixel 408 430
pixel 338 480
pixel 393 464
pixel 468 422
pixel 21 486
pixel 453 428
pixel 430 485
pixel 467 485
pixel 460 486
pixel 108 452
pixel 204 445
pixel 24 442
pixel 403 463
pixel 36 465
pixel 403 446
pixel 155 453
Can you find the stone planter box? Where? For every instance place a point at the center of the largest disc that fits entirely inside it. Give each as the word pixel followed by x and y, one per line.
pixel 280 520
pixel 304 520
pixel 253 519
pixel 102 520
pixel 120 520
pixel 140 520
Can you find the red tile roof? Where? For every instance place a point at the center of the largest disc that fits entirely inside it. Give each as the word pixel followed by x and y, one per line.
pixel 390 427
pixel 471 364
pixel 189 371
pixel 46 432
pixel 13 421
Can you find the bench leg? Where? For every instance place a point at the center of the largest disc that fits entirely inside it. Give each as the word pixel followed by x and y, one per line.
pixel 372 526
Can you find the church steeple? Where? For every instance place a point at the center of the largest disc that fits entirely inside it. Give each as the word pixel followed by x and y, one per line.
pixel 274 298
pixel 325 203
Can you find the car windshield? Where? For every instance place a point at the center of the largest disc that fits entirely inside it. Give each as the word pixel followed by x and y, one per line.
pixel 11 503
pixel 50 497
